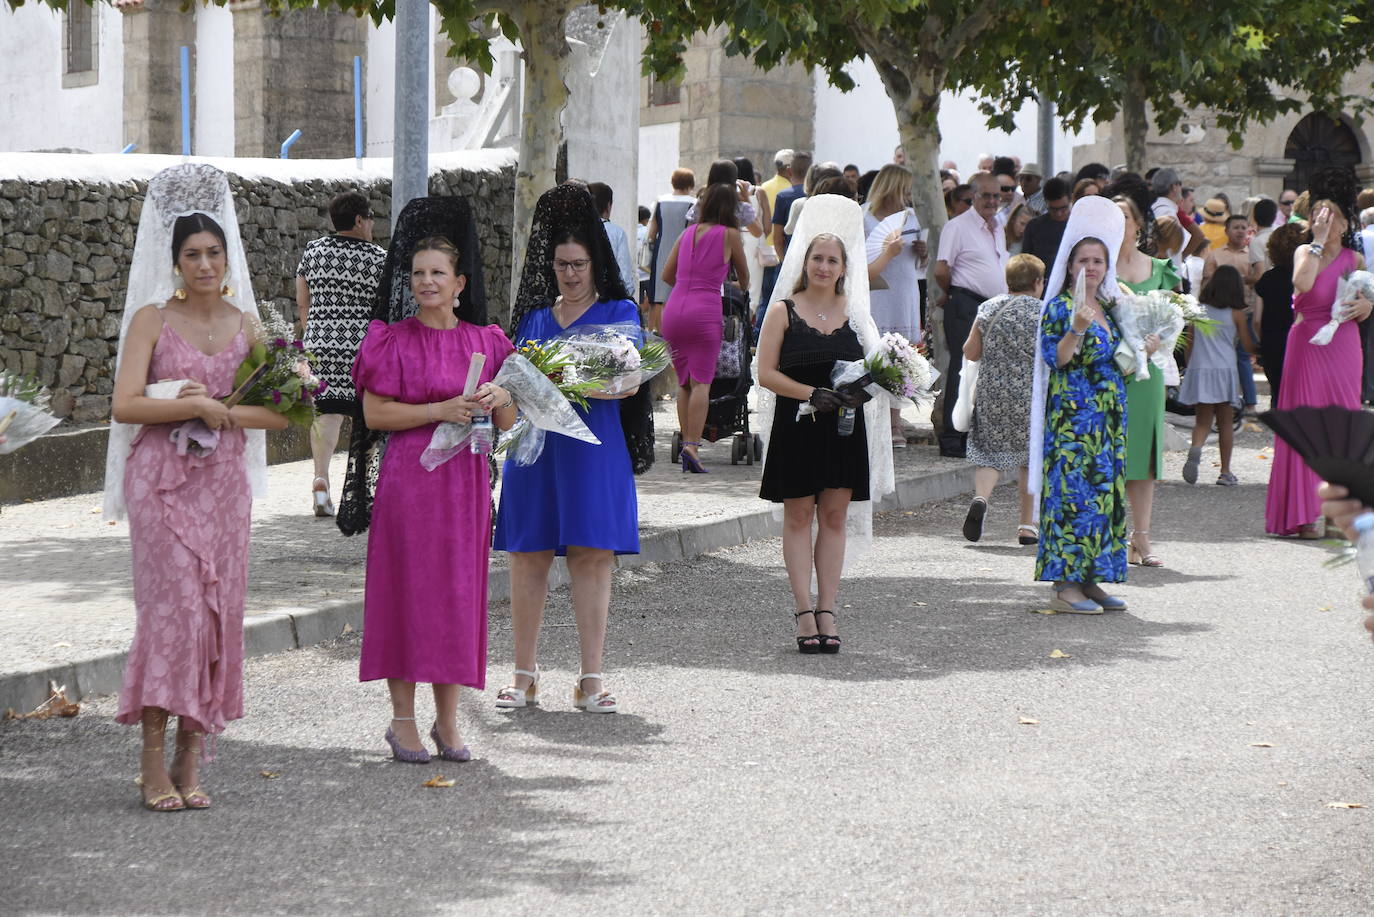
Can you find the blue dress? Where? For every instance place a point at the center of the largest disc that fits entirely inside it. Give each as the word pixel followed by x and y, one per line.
pixel 1083 495
pixel 575 493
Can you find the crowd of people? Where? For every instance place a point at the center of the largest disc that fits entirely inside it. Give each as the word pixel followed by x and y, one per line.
pixel 1029 277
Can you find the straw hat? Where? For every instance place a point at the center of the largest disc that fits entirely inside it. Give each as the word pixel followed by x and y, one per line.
pixel 1214 211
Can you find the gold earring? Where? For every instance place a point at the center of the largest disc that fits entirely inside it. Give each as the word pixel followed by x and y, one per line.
pixel 226 290
pixel 180 291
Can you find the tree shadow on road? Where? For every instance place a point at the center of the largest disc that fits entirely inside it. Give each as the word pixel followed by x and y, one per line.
pixel 337 832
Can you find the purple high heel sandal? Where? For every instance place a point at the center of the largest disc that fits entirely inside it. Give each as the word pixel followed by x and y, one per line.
pixel 404 755
pixel 447 753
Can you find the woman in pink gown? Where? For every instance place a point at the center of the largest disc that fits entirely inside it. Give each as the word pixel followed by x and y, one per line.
pixel 425 609
pixel 188 516
pixel 1314 375
pixel 692 318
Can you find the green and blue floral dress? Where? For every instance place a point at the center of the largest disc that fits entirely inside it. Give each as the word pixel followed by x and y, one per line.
pixel 1083 495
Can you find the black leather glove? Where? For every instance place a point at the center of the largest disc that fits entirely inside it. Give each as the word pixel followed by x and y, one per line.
pixel 853 394
pixel 823 399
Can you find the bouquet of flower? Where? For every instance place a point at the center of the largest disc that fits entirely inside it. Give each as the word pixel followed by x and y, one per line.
pixel 1162 312
pixel 536 378
pixel 23 411
pixel 1348 289
pixel 895 371
pixel 616 357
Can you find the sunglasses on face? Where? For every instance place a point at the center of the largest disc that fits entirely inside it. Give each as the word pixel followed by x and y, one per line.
pixel 1006 188
pixel 1289 203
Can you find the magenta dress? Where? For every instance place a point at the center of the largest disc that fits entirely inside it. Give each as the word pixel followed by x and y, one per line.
pixel 425 601
pixel 1316 376
pixel 692 318
pixel 189 519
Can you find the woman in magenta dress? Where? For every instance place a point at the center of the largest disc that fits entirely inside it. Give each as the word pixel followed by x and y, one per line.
pixel 692 321
pixel 1314 375
pixel 188 509
pixel 425 608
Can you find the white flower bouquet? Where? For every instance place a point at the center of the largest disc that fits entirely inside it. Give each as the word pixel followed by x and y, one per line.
pixel 1161 312
pixel 23 411
pixel 1348 289
pixel 895 371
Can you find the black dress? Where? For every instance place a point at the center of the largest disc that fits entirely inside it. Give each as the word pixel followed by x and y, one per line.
pixel 1276 289
pixel 807 456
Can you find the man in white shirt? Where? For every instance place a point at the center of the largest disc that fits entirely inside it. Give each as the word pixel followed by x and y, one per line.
pixel 620 242
pixel 1262 219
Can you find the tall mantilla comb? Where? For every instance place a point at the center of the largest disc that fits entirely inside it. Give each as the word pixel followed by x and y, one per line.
pixel 1335 442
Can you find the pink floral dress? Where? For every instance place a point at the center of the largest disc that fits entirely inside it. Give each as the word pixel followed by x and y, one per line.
pixel 189 518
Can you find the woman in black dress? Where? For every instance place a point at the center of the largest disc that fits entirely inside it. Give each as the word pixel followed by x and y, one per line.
pixel 1275 291
pixel 814 471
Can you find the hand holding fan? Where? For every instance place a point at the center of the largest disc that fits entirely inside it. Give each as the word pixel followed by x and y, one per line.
pixel 1335 442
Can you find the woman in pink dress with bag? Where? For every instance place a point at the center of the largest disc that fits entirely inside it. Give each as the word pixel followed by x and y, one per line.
pixel 188 505
pixel 693 317
pixel 1315 375
pixel 425 604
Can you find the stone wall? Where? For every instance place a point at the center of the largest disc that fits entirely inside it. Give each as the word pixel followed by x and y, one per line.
pixel 65 247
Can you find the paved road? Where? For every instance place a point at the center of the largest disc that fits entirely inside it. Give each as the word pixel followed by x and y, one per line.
pixel 897 777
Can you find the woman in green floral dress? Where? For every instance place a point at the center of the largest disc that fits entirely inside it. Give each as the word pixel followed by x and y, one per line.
pixel 1083 493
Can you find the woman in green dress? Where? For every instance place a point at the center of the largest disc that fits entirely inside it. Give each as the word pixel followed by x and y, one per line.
pixel 1140 273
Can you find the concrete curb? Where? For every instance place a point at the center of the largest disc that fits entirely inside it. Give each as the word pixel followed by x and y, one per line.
pixel 293 628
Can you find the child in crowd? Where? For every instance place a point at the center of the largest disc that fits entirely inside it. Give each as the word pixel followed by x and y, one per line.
pixel 1212 381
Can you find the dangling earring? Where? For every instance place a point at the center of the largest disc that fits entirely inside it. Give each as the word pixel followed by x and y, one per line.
pixel 180 291
pixel 226 290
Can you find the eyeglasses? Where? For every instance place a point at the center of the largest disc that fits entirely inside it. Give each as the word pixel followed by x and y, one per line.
pixel 575 267
pixel 1290 202
pixel 987 194
pixel 1006 188
pixel 1059 208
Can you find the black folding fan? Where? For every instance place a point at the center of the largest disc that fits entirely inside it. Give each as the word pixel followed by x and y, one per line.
pixel 1337 443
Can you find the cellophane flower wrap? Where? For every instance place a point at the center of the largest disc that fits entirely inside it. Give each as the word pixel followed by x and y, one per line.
pixel 23 411
pixel 617 357
pixel 895 371
pixel 1348 288
pixel 289 386
pixel 534 376
pixel 1162 312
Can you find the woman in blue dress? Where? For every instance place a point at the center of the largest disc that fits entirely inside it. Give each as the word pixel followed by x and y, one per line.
pixel 1083 491
pixel 578 499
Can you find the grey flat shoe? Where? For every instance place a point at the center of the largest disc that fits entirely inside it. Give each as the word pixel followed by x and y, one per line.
pixel 1190 466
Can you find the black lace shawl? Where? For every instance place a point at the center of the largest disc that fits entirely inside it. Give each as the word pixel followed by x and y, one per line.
pixel 570 207
pixel 423 217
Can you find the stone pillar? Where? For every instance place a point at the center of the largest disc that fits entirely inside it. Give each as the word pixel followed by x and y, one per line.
pixel 154 33
pixel 294 70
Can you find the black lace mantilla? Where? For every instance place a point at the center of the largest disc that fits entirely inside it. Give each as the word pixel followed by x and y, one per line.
pixel 570 207
pixel 423 217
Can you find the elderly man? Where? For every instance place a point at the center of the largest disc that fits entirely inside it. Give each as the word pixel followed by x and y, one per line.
pixel 782 178
pixel 971 268
pixel 1168 191
pixel 1287 199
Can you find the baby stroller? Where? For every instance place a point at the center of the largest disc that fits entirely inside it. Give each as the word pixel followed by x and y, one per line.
pixel 728 412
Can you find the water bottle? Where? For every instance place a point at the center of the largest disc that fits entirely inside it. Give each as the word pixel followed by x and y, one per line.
pixel 483 435
pixel 1364 548
pixel 844 425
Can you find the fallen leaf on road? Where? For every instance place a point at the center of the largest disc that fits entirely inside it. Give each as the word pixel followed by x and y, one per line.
pixel 1345 805
pixel 347 628
pixel 56 705
pixel 1261 744
pixel 919 604
pixel 1251 427
pixel 1283 783
pixel 1262 457
pixel 1027 721
pixel 62 646
pixel 269 775
pixel 1324 608
pixel 1060 654
pixel 1043 611
pixel 438 781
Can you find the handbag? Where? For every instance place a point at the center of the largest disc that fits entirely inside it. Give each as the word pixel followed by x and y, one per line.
pixel 768 255
pixel 968 392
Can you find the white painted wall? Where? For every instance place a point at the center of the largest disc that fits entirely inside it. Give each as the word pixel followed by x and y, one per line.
pixel 35 111
pixel 601 122
pixel 963 131
pixel 379 101
pixel 214 82
pixel 659 155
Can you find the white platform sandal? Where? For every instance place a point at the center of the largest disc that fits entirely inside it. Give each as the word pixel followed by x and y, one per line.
pixel 319 492
pixel 511 696
pixel 601 702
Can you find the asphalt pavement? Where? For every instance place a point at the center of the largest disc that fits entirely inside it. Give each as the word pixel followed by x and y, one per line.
pixel 1182 757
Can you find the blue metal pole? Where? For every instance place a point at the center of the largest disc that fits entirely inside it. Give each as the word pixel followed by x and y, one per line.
pixel 185 100
pixel 357 107
pixel 289 142
pixel 130 148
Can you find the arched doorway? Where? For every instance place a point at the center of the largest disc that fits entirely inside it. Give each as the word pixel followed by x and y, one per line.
pixel 1318 141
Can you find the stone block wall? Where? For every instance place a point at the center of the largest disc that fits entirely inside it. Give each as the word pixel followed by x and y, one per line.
pixel 65 248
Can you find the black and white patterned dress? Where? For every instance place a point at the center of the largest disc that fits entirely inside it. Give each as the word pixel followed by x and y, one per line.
pixel 342 274
pixel 1000 435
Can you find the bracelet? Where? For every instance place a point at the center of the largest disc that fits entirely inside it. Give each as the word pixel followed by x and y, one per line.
pixel 510 400
pixel 1317 248
pixel 1075 331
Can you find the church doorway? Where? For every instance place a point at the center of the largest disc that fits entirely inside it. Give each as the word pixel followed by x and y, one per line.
pixel 1318 141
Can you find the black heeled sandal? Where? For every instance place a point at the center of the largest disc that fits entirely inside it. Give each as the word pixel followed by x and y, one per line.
pixel 830 643
pixel 803 646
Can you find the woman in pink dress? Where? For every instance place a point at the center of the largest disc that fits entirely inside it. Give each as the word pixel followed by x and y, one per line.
pixel 692 317
pixel 188 512
pixel 425 608
pixel 1315 375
